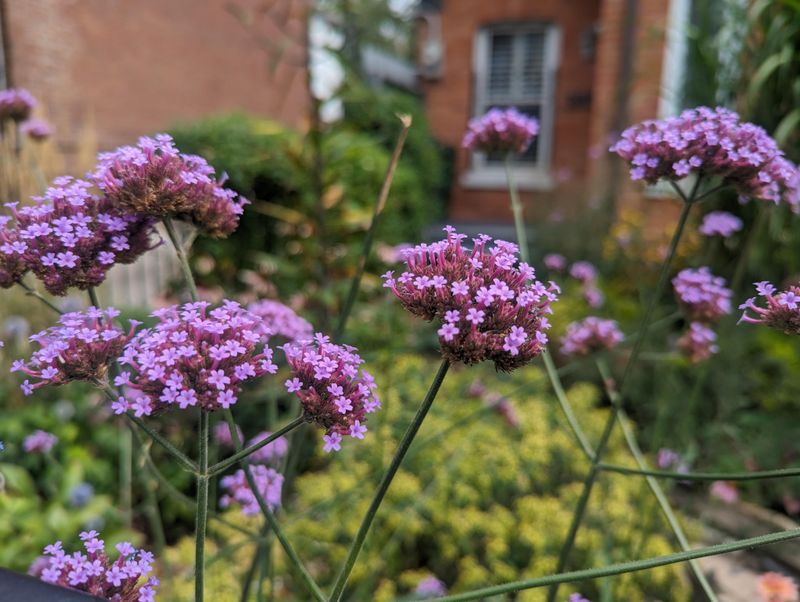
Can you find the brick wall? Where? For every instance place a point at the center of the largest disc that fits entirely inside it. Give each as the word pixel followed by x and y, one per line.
pixel 449 100
pixel 134 67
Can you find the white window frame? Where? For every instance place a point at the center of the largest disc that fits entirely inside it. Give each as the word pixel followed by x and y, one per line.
pixel 483 175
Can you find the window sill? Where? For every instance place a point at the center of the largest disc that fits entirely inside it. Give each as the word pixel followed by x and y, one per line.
pixel 495 179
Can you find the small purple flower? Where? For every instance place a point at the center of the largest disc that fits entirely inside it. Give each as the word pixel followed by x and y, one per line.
pixel 155 179
pixel 725 491
pixel 269 483
pixel 501 307
pixel 280 320
pixel 39 442
pixel 703 296
pixel 720 223
pixel 36 129
pixel 590 335
pixel 501 131
pixel 269 454
pixel 430 587
pixel 16 104
pixel 222 434
pixel 555 262
pixel 577 598
pixel 698 343
pixel 583 271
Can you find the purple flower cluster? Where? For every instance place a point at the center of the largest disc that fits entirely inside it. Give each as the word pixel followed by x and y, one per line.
pixel 669 459
pixel 16 104
pixel 711 142
pixel 39 442
pixel 269 454
pixel 576 597
pixel 491 307
pixel 501 131
pixel 782 310
pixel 155 179
pixel 280 320
pixel 698 343
pixel 36 129
pixel 70 237
pixel 80 347
pixel 123 580
pixel 703 296
pixel 335 393
pixel 430 587
pixel 555 262
pixel 583 271
pixel 590 335
pixel 222 434
pixel 193 357
pixel 720 223
pixel 269 483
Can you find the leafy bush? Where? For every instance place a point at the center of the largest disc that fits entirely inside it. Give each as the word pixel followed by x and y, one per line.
pixel 478 500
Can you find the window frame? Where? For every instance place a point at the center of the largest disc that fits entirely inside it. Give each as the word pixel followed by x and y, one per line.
pixel 480 173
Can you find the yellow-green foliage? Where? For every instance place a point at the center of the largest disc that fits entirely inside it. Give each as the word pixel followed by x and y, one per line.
pixel 478 502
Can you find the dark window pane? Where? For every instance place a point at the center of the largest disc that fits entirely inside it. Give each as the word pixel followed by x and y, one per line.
pixel 500 65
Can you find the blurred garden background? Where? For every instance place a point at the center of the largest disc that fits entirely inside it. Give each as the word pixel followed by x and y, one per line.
pixel 298 102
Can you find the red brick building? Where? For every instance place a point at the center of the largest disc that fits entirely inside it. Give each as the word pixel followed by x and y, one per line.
pixel 135 67
pixel 562 61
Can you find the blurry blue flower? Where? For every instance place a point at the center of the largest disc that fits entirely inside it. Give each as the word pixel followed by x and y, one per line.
pixel 80 495
pixel 17 328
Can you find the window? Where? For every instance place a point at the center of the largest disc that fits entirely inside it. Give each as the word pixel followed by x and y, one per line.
pixel 515 67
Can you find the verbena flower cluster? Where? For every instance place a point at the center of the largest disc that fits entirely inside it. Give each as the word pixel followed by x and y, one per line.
pixel 710 142
pixel 585 273
pixel 222 434
pixel 269 484
pixel 703 296
pixel 782 310
pixel 334 391
pixel 36 129
pixel 491 307
pixel 430 587
pixel 720 223
pixel 80 347
pixel 70 237
pixel 590 335
pixel 16 104
pixel 155 179
pixel 555 262
pixel 698 343
pixel 194 356
pixel 280 320
pixel 39 442
pixel 269 454
pixel 125 579
pixel 501 131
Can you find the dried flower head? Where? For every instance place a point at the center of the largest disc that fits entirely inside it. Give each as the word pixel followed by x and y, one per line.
pixel 334 391
pixel 36 129
pixel 491 307
pixel 590 335
pixel 269 483
pixel 39 442
pixel 698 343
pixel 80 347
pixel 704 297
pixel 720 223
pixel 70 238
pixel 155 179
pixel 280 320
pixel 501 131
pixel 269 454
pixel 193 357
pixel 711 142
pixel 126 579
pixel 774 587
pixel 782 310
pixel 16 104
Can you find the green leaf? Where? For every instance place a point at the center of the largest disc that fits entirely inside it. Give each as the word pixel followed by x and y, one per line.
pixel 767 68
pixel 17 479
pixel 787 126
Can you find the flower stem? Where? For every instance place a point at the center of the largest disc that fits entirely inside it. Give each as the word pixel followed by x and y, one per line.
pixel 201 513
pixel 181 253
pixel 34 293
pixel 641 461
pixel 182 459
pixel 600 450
pixel 93 299
pixel 405 121
pixel 516 209
pixel 623 567
pixel 294 559
pixel 243 453
pixel 386 481
pixel 780 473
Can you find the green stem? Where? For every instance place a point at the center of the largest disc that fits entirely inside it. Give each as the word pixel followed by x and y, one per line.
pixel 251 571
pixel 201 513
pixel 181 253
pixel 600 450
pixel 34 293
pixel 182 459
pixel 780 473
pixel 93 299
pixel 386 481
pixel 641 461
pixel 243 453
pixel 379 206
pixel 516 209
pixel 623 567
pixel 126 474
pixel 294 559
